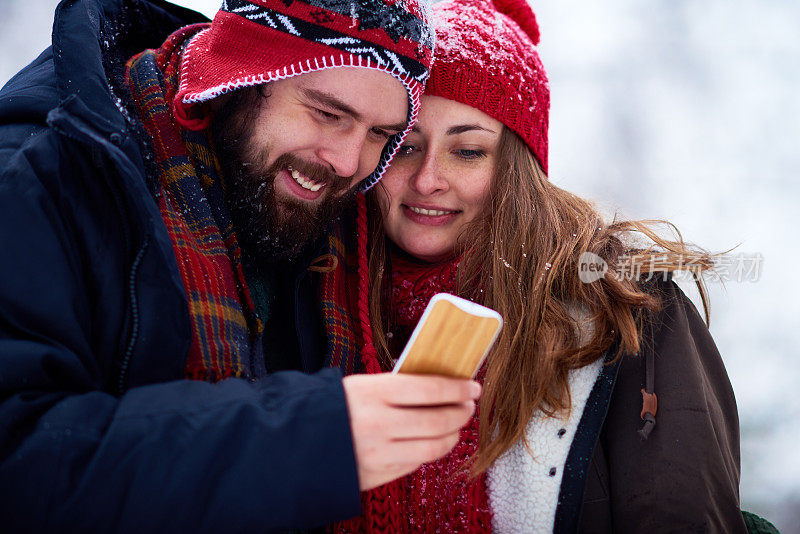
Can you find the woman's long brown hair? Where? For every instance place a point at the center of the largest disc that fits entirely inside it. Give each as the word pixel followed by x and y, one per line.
pixel 522 258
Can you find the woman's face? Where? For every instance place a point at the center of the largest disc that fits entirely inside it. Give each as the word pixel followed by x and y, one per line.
pixel 440 178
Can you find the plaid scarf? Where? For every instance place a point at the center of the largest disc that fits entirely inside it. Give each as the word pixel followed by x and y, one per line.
pixel 338 295
pixel 225 329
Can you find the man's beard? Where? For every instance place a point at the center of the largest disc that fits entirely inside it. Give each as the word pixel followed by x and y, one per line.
pixel 270 230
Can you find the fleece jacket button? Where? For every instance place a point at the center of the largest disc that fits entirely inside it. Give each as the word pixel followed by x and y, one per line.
pixel 116 139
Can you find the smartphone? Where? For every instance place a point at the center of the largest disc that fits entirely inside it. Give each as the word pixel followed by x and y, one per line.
pixel 452 338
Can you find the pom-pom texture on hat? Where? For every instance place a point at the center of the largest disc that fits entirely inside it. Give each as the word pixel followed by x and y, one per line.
pixel 486 58
pixel 520 12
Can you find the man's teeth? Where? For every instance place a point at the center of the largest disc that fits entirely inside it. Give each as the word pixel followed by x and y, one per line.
pixel 433 213
pixel 307 184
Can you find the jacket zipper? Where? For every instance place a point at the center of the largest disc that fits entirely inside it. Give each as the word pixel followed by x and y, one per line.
pixel 92 145
pixel 134 307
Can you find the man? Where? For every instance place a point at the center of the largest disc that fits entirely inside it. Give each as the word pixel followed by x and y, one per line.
pixel 159 212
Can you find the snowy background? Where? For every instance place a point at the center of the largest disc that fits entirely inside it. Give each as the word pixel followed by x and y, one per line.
pixel 681 110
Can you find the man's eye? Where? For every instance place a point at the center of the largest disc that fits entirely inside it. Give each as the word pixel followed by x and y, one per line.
pixel 330 117
pixel 465 153
pixel 380 133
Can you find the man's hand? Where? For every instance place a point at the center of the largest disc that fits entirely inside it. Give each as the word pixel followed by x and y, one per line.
pixel 402 421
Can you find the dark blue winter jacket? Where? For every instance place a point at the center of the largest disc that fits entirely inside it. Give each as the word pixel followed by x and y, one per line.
pixel 98 430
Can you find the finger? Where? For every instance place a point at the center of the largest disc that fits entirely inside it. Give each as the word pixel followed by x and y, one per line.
pixel 429 422
pixel 415 452
pixel 428 390
pixel 402 457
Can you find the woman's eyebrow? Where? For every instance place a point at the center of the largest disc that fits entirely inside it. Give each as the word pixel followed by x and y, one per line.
pixel 458 129
pixel 461 128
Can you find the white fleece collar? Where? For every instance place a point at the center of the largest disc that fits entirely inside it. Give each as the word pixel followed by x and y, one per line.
pixel 523 489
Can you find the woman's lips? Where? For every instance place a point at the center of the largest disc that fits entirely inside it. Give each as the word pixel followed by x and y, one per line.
pixel 431 216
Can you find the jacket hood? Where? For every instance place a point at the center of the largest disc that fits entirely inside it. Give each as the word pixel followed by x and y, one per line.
pixel 92 39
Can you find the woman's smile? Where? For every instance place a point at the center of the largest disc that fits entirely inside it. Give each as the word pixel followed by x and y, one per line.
pixel 429 215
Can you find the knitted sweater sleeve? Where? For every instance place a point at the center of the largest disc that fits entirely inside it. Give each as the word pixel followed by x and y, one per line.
pixel 685 476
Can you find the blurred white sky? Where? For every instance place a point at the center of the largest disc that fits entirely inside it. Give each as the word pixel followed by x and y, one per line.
pixel 682 110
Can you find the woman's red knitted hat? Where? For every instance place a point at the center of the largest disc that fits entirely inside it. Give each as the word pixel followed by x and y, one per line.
pixel 486 58
pixel 251 42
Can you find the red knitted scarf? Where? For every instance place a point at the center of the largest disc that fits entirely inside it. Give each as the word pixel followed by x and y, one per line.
pixel 440 496
pixel 224 325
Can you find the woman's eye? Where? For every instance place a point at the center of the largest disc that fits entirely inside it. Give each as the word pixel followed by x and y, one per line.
pixel 465 153
pixel 406 150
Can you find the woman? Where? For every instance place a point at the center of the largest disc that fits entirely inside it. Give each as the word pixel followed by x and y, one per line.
pixel 565 437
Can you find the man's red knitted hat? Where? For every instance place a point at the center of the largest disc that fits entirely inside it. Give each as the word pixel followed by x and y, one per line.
pixel 486 58
pixel 251 42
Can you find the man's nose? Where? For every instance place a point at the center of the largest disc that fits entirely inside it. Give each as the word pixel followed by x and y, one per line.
pixel 343 152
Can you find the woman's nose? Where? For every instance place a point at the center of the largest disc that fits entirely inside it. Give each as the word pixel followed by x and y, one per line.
pixel 430 177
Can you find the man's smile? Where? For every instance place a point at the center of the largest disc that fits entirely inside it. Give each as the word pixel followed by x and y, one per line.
pixel 298 185
pixel 304 180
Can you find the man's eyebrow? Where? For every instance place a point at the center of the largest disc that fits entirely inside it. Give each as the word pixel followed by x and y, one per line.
pixel 461 128
pixel 331 102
